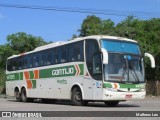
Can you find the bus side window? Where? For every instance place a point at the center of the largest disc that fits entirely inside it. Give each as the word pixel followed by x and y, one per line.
pixel 49 56
pixel 25 62
pixel 55 55
pixel 20 64
pixel 9 64
pixel 43 58
pixel 13 65
pixel 30 61
pixel 64 53
pixel 76 51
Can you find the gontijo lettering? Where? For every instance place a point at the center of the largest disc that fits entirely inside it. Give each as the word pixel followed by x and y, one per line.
pixel 64 71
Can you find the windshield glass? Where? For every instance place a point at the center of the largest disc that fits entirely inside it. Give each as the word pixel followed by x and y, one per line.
pixel 120 46
pixel 123 65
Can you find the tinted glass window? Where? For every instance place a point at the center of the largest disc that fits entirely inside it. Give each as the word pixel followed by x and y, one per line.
pixel 64 54
pixel 56 56
pixel 120 46
pixel 49 57
pixel 43 58
pixel 76 51
pixel 92 48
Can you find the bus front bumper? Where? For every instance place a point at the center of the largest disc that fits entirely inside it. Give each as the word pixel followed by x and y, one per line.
pixel 122 96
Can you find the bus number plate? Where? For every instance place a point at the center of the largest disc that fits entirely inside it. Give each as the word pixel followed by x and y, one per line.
pixel 128 96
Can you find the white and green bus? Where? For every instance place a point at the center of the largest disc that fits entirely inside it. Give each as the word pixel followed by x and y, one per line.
pixel 95 68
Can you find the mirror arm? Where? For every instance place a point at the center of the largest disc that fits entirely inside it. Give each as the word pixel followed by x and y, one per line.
pixel 151 58
pixel 105 55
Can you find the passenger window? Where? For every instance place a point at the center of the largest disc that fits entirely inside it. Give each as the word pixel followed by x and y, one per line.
pixel 9 64
pixel 64 53
pixel 30 61
pixel 43 58
pixel 76 52
pixel 56 56
pixel 49 57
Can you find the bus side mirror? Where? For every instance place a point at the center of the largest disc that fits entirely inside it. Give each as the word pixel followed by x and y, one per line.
pixel 105 55
pixel 151 59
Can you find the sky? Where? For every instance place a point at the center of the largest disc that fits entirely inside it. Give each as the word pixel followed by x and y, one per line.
pixel 55 26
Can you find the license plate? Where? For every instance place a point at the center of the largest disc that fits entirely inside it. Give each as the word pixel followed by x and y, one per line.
pixel 128 96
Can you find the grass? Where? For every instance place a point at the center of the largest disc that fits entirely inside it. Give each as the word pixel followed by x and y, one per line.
pixel 2 79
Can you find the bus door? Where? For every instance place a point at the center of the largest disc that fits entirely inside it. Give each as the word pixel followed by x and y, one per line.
pixel 88 87
pixel 94 66
pixel 97 77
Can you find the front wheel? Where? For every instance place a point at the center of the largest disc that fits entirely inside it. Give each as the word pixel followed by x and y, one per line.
pixel 77 97
pixel 111 103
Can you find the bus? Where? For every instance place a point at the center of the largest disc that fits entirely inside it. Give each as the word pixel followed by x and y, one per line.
pixel 95 68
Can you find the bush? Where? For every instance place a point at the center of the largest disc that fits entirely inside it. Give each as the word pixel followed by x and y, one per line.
pixel 2 79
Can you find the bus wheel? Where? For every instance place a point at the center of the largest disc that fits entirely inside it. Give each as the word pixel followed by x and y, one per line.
pixel 17 95
pixel 24 95
pixel 77 97
pixel 111 103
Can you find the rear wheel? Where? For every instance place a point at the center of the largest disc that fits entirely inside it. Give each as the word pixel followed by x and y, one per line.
pixel 77 97
pixel 23 95
pixel 111 103
pixel 17 95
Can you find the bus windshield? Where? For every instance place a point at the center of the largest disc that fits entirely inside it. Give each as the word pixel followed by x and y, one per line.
pixel 125 63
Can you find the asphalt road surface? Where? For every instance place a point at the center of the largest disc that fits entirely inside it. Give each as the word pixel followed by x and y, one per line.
pixel 150 104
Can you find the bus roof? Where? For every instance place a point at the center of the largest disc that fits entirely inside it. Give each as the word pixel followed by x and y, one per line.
pixel 55 44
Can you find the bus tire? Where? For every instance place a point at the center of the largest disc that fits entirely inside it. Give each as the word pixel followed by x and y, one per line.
pixel 17 95
pixel 23 95
pixel 111 103
pixel 76 97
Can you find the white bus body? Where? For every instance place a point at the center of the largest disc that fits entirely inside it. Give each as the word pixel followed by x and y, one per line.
pixel 78 70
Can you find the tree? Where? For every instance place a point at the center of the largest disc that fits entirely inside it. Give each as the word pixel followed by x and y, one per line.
pixel 90 26
pixel 22 42
pixel 107 27
pixel 5 52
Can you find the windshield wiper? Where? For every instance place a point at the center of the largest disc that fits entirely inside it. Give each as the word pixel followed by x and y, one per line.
pixel 131 68
pixel 123 73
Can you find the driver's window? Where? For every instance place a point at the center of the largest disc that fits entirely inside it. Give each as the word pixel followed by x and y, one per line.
pixel 97 67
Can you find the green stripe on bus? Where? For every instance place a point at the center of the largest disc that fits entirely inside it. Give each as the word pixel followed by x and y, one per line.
pixel 107 85
pixel 21 75
pixel 64 71
pixel 13 76
pixel 34 83
pixel 134 86
pixel 31 74
pixel 60 71
pixel 81 66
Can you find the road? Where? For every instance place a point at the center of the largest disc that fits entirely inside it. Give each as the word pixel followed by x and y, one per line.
pixel 148 104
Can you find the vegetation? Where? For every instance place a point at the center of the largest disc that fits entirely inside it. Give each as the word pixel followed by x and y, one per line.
pixel 17 43
pixel 146 32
